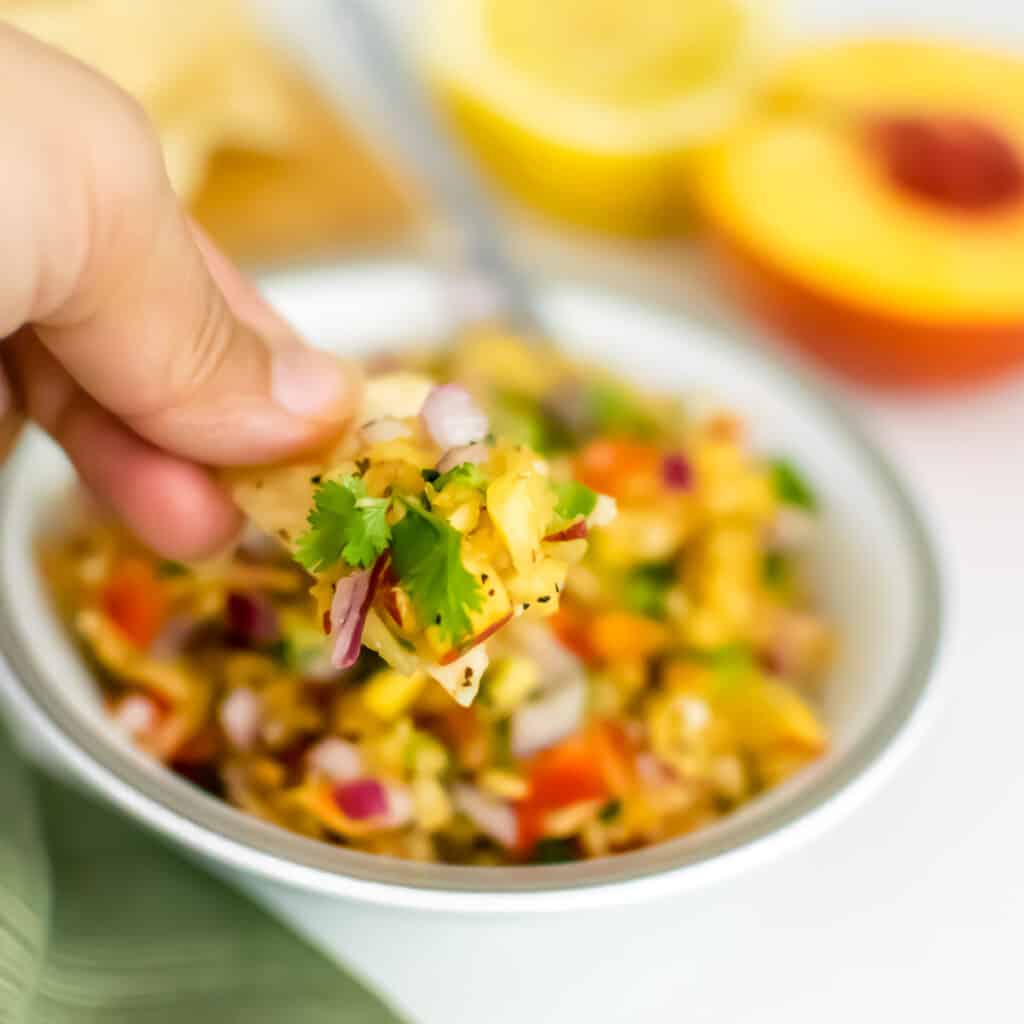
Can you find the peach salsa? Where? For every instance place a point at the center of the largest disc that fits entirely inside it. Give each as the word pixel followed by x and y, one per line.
pixel 524 614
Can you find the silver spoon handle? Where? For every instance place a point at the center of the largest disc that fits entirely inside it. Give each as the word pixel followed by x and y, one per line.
pixel 431 153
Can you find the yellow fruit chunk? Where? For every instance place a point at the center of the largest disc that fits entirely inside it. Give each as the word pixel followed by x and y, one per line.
pixel 388 694
pixel 765 715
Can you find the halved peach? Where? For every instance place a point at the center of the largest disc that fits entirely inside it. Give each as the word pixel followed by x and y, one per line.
pixel 879 228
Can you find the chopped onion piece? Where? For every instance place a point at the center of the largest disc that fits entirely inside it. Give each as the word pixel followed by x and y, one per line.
pixel 251 619
pixel 493 817
pixel 400 807
pixel 240 716
pixel 461 678
pixel 361 799
pixel 677 472
pixel 337 759
pixel 476 454
pixel 385 429
pixel 136 715
pixel 452 418
pixel 652 771
pixel 544 722
pixel 604 511
pixel 353 596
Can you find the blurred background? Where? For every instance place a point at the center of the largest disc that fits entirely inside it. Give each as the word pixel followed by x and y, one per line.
pixel 849 176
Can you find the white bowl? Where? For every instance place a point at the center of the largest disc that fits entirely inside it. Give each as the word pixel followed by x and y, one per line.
pixel 873 561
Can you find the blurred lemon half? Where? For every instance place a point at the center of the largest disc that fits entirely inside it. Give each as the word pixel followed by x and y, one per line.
pixel 591 109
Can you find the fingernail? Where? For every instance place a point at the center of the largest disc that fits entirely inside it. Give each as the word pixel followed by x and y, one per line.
pixel 309 383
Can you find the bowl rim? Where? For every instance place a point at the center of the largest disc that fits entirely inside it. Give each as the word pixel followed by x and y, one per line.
pixel 211 827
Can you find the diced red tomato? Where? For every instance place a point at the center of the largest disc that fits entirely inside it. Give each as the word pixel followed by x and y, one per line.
pixel 624 635
pixel 572 632
pixel 627 470
pixel 591 765
pixel 135 601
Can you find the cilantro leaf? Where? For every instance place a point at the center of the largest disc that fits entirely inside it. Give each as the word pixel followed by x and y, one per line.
pixel 574 500
pixel 467 473
pixel 644 590
pixel 344 524
pixel 427 556
pixel 791 487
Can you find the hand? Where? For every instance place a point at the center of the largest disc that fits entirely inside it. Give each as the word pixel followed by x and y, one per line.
pixel 126 334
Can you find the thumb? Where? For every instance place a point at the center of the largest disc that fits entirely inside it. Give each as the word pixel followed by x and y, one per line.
pixel 117 287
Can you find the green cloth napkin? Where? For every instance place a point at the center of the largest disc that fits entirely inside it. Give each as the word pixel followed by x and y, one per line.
pixel 100 923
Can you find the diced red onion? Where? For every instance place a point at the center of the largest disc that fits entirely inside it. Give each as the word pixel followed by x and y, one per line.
pixel 452 418
pixel 677 472
pixel 577 531
pixel 361 799
pixel 251 619
pixel 604 512
pixel 386 429
pixel 174 636
pixel 353 596
pixel 241 715
pixel 136 715
pixel 495 818
pixel 476 454
pixel 337 759
pixel 550 719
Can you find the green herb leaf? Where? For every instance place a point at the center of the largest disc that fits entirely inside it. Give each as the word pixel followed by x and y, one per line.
pixel 555 851
pixel 467 473
pixel 611 810
pixel 644 590
pixel 427 556
pixel 574 499
pixel 344 525
pixel 791 487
